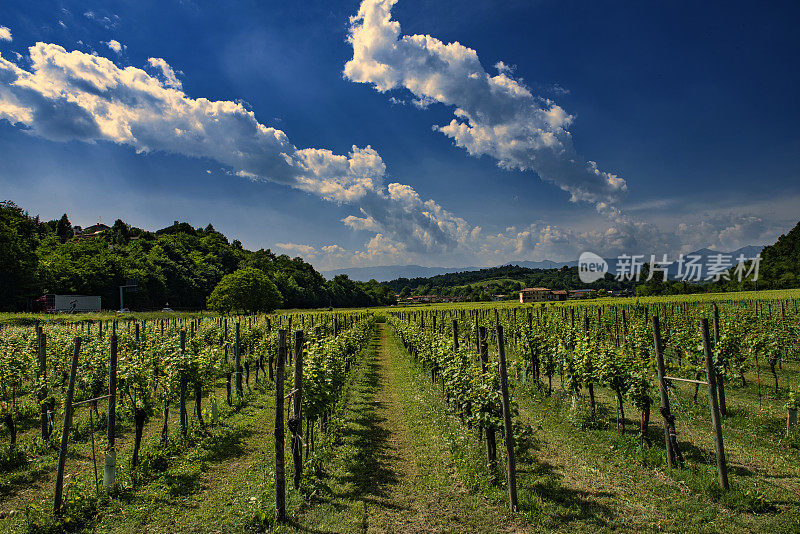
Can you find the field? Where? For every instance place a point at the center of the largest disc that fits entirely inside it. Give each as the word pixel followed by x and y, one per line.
pixel 402 425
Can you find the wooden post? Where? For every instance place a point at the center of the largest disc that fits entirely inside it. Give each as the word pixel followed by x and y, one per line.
pixel 112 392
pixel 45 424
pixel 280 477
pixel 455 335
pixel 491 441
pixel 722 467
pixel 723 406
pixel 662 386
pixel 237 354
pixel 297 422
pixel 509 430
pixel 182 400
pixel 62 454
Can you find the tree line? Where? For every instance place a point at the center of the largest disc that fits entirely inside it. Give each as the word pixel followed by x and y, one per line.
pixel 178 266
pixel 507 279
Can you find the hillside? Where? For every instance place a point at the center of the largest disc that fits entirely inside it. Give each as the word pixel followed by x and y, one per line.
pixel 780 263
pixel 507 279
pixel 177 266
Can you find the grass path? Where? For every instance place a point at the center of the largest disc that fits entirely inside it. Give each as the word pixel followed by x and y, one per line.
pixel 393 471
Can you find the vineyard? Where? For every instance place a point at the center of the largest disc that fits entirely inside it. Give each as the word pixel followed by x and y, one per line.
pixel 661 414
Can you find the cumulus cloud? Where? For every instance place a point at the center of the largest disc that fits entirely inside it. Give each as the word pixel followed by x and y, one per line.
pixel 294 248
pixel 380 249
pixel 5 34
pixel 115 46
pixel 494 115
pixel 170 79
pixel 74 95
pixel 78 96
pixel 71 95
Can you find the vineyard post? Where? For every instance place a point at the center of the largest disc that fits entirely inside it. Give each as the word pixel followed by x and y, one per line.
pixel 62 454
pixel 723 406
pixel 491 442
pixel 237 349
pixel 509 430
pixel 297 447
pixel 722 467
pixel 183 386
pixel 43 383
pixel 662 386
pixel 280 479
pixel 111 455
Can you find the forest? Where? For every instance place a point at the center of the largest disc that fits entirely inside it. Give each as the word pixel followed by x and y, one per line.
pixel 178 266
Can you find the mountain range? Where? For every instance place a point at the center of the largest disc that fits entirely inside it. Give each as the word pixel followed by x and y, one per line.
pixel 386 273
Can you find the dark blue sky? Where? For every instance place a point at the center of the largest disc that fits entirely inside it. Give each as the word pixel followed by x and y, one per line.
pixel 694 104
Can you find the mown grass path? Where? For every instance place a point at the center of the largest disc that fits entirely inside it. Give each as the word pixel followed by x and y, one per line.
pixel 393 471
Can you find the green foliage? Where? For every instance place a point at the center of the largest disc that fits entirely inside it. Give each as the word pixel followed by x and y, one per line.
pixel 780 263
pixel 18 261
pixel 793 400
pixel 248 290
pixel 177 267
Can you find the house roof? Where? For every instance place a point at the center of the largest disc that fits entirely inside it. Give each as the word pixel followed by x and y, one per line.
pixel 535 289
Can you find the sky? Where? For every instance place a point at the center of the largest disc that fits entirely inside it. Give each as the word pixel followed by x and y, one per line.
pixel 429 132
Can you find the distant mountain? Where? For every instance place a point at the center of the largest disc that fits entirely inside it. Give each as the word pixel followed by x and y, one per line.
pixel 707 257
pixel 391 272
pixel 545 264
pixel 387 273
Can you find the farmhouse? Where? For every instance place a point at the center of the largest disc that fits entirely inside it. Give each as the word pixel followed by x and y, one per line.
pixel 93 231
pixel 536 294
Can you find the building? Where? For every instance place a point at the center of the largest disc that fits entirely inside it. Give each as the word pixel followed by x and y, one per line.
pixel 582 293
pixel 559 294
pixel 536 294
pixel 93 231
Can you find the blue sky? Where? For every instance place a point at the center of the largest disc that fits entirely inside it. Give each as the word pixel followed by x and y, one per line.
pixel 327 137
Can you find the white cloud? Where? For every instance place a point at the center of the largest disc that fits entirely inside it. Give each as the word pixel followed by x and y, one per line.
pixel 5 34
pixel 78 96
pixel 109 22
pixel 171 80
pixel 74 95
pixel 494 115
pixel 115 46
pixel 294 248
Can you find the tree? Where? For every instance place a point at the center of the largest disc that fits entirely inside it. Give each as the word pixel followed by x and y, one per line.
pixel 18 260
pixel 249 290
pixel 64 229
